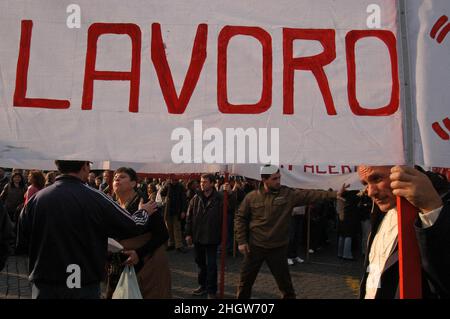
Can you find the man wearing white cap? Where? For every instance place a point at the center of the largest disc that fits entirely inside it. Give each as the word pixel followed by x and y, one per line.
pixel 262 229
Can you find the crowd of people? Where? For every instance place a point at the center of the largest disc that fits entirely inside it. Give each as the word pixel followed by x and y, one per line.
pixel 266 222
pixel 168 228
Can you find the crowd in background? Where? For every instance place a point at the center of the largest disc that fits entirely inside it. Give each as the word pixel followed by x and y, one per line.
pixel 309 230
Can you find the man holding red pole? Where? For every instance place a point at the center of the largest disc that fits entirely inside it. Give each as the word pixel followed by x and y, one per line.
pixel 432 230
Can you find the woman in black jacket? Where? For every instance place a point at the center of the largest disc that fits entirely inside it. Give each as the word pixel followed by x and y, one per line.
pixel 146 252
pixel 13 195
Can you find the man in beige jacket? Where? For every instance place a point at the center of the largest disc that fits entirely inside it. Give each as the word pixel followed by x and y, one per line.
pixel 262 229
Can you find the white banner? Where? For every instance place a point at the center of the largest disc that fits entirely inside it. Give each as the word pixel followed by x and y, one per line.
pixel 308 176
pixel 429 47
pixel 305 176
pixel 169 168
pixel 297 81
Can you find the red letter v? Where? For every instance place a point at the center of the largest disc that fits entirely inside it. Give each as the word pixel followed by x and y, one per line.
pixel 175 104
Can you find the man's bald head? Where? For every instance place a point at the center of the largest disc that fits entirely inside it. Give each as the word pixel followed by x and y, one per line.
pixel 364 170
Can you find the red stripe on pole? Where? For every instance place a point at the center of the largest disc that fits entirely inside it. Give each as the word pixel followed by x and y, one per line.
pixel 408 252
pixel 224 240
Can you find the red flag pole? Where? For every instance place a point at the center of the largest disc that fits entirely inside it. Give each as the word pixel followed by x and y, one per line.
pixel 408 252
pixel 224 239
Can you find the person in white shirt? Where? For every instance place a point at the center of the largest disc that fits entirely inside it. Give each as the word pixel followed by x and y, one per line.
pixel 432 228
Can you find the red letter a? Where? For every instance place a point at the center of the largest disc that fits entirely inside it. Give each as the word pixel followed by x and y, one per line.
pixel 90 74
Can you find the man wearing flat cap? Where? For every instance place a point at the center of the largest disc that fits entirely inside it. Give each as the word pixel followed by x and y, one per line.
pixel 262 229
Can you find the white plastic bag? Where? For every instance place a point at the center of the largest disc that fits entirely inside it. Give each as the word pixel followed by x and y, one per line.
pixel 127 287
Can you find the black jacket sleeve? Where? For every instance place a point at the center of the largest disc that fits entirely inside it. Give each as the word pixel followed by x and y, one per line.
pixel 434 246
pixel 24 225
pixel 118 223
pixel 158 229
pixel 189 216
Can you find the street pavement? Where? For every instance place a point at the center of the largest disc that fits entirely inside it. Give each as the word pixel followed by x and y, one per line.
pixel 14 282
pixel 323 277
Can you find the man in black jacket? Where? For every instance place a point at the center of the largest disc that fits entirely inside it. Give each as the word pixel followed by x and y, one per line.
pixel 65 229
pixel 203 228
pixel 384 183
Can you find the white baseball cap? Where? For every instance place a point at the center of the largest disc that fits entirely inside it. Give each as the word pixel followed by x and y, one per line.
pixel 268 169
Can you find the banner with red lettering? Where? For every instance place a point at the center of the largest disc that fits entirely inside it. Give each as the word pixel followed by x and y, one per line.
pixel 308 176
pixel 202 81
pixel 429 47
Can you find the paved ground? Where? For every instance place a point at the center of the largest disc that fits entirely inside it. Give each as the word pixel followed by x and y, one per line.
pixel 14 280
pixel 324 277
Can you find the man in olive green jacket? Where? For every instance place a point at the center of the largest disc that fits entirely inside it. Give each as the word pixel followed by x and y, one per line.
pixel 262 229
